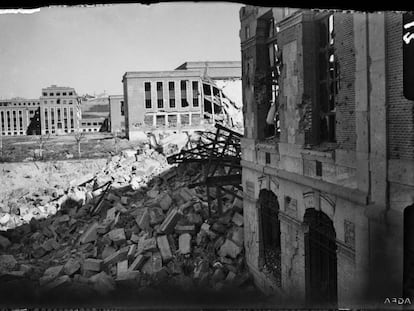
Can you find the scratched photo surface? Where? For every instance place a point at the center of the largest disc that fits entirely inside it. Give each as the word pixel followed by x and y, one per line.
pixel 206 155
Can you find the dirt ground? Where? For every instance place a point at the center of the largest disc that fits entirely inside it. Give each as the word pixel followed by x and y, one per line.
pixel 28 148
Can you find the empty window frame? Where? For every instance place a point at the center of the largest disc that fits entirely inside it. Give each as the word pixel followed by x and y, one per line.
pixel 122 108
pixel 160 99
pixel 196 102
pixel 147 88
pixel 185 119
pixel 172 120
pixel 160 121
pixel 183 86
pixel 171 93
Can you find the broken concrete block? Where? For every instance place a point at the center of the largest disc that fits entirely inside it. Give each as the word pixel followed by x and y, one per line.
pixel 107 251
pixel 117 235
pixel 184 243
pixel 237 236
pixel 50 274
pixel 185 229
pixel 165 202
pixel 143 218
pixel 134 238
pixel 92 264
pixel 218 227
pixel 164 247
pixel 230 277
pixel 64 279
pixel 156 215
pixel 50 244
pixel 238 203
pixel 7 263
pixel 71 266
pixel 113 197
pixel 102 283
pixel 124 200
pixel 153 193
pixel 238 219
pixel 117 256
pixel 230 249
pixel 90 234
pixel 121 267
pixel 138 262
pixel 132 251
pixel 128 275
pixel 187 194
pixel 153 265
pixel 170 221
pixel 111 214
pixel 194 218
pixel 218 275
pixel 4 242
pixel 77 195
pixel 145 244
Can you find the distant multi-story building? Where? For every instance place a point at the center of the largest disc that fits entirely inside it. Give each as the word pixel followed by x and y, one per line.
pixel 183 99
pixel 59 112
pixel 19 116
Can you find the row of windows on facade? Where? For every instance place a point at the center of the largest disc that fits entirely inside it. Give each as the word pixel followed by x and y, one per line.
pixel 20 104
pixel 173 120
pixel 58 94
pixel 64 102
pixel 171 89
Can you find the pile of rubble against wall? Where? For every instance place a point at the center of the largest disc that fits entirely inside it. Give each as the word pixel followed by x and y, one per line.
pixel 136 223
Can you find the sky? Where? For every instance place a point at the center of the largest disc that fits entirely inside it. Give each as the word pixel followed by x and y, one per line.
pixel 90 48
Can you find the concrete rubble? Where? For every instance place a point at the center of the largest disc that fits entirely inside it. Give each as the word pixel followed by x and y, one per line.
pixel 128 223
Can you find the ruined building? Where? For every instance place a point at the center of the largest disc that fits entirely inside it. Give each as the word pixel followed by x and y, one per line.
pixel 327 156
pixel 188 98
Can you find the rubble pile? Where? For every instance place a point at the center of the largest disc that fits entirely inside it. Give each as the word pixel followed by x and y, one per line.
pixel 135 224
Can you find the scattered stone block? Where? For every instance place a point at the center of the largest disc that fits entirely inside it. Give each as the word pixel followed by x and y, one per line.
pixel 164 247
pixel 128 275
pixel 50 244
pixel 64 279
pixel 121 267
pixel 138 262
pixel 170 221
pixel 230 277
pixel 92 264
pixel 237 219
pixel 50 274
pixel 184 243
pixel 237 236
pixel 230 249
pixel 134 238
pixel 143 219
pixel 102 283
pixel 7 263
pixel 165 202
pixel 132 251
pixel 194 219
pixel 124 200
pixel 4 242
pixel 146 244
pixel 153 265
pixel 107 251
pixel 218 275
pixel 238 203
pixel 185 229
pixel 71 266
pixel 90 234
pixel 113 197
pixel 117 256
pixel 117 235
pixel 156 215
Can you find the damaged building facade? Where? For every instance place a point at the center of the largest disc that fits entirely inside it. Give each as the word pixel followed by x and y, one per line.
pixel 327 156
pixel 185 99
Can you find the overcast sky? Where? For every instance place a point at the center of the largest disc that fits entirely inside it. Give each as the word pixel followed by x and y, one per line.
pixel 90 48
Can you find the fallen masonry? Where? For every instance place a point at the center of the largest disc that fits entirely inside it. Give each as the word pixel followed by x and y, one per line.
pixel 148 229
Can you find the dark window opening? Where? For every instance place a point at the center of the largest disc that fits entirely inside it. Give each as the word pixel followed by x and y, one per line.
pixel 268 158
pixel 270 251
pixel 328 80
pixel 318 168
pixel 160 98
pixel 183 85
pixel 147 87
pixel 172 103
pixel 122 108
pixel 320 259
pixel 195 94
